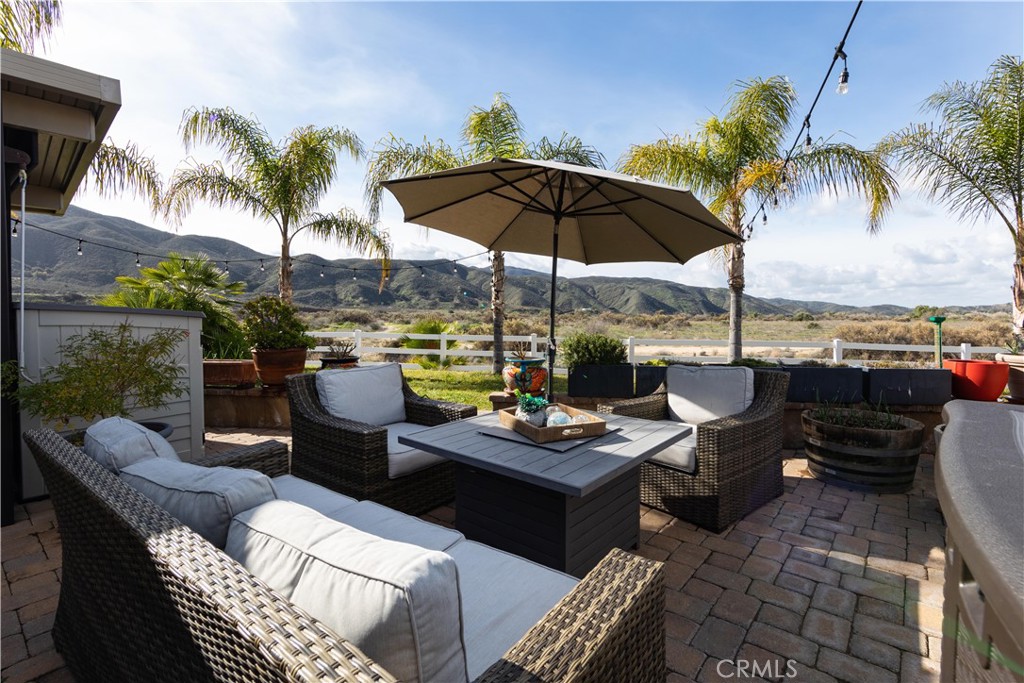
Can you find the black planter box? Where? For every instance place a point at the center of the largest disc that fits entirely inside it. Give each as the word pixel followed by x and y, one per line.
pixel 649 378
pixel 809 384
pixel 603 381
pixel 908 386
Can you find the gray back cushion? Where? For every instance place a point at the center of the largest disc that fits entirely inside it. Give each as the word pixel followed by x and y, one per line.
pixel 370 393
pixel 204 498
pixel 396 602
pixel 116 443
pixel 699 394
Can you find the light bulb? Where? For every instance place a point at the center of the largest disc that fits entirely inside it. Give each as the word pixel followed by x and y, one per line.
pixel 227 269
pixel 808 145
pixel 14 229
pixel 844 80
pixel 138 264
pixel 263 268
pixel 764 218
pixel 79 247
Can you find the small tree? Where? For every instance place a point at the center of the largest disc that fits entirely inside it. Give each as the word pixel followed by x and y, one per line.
pixel 103 373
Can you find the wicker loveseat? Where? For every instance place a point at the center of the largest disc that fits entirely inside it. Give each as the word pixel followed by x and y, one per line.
pixel 738 457
pixel 351 457
pixel 145 598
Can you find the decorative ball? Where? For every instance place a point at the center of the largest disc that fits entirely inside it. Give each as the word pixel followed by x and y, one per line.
pixel 581 418
pixel 558 419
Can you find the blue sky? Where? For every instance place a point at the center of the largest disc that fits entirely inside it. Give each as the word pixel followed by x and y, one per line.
pixel 612 73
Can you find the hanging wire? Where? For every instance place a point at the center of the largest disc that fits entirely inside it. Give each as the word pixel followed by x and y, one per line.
pixel 806 125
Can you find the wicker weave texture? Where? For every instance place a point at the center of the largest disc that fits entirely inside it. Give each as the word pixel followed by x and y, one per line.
pixel 352 457
pixel 739 457
pixel 145 599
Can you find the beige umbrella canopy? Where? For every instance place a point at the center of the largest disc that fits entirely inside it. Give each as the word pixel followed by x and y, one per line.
pixel 563 211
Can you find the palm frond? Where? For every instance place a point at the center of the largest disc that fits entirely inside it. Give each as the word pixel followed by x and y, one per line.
pixel 347 228
pixel 494 133
pixel 24 23
pixel 243 139
pixel 684 162
pixel 393 157
pixel 212 183
pixel 569 149
pixel 116 169
pixel 839 167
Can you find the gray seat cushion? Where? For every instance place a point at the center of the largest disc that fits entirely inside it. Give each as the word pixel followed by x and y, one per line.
pixel 323 500
pixel 371 393
pixel 700 394
pixel 403 459
pixel 204 498
pixel 681 455
pixel 396 602
pixel 503 596
pixel 374 518
pixel 116 443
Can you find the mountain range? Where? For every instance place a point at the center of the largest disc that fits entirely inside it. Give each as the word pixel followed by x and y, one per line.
pixel 111 245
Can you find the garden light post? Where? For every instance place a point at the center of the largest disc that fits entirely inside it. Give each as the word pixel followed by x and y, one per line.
pixel 938 320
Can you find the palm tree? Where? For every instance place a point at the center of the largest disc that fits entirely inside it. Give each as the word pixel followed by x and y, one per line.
pixel 277 183
pixel 737 160
pixel 487 134
pixel 185 283
pixel 26 22
pixel 974 161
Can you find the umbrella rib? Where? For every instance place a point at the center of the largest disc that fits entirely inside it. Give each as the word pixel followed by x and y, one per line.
pixel 676 211
pixel 526 207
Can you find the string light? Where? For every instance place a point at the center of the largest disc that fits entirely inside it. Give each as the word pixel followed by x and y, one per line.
pixel 263 268
pixel 227 268
pixel 321 271
pixel 764 217
pixel 138 263
pixel 422 272
pixel 14 229
pixel 79 247
pixel 455 267
pixel 844 77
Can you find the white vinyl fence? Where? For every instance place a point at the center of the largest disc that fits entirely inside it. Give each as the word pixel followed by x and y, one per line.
pixel 637 349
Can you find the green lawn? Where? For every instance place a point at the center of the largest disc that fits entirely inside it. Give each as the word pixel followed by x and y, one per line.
pixel 463 387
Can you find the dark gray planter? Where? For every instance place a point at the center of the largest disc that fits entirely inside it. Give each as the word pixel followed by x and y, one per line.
pixel 602 381
pixel 649 378
pixel 809 384
pixel 908 386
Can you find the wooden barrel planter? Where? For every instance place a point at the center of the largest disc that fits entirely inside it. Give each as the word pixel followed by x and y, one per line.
pixel 875 460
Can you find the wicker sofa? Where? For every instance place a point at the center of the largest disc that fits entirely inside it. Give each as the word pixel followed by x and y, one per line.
pixel 145 598
pixel 351 457
pixel 738 457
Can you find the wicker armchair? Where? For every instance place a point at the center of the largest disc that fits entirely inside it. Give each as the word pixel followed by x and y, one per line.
pixel 352 457
pixel 739 463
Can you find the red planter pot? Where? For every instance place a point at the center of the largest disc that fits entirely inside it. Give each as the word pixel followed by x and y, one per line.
pixel 273 365
pixel 978 380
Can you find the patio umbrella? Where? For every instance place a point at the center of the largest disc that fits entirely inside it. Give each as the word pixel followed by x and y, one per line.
pixel 563 211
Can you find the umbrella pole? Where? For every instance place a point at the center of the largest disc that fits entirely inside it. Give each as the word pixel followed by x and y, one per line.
pixel 551 314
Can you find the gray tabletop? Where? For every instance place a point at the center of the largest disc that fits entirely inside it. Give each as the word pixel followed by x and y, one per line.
pixel 576 472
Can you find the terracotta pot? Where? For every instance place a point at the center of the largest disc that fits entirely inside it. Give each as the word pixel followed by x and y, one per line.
pixel 978 380
pixel 229 373
pixel 525 374
pixel 1015 379
pixel 273 365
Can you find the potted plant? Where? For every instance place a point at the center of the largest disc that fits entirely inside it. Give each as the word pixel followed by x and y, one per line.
pixel 277 337
pixel 227 361
pixel 524 373
pixel 340 354
pixel 865 449
pixel 1015 359
pixel 597 366
pixel 104 372
pixel 530 408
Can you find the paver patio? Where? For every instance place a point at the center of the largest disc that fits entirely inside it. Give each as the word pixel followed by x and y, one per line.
pixel 822 584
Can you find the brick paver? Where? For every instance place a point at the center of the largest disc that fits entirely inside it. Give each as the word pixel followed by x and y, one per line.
pixel 836 585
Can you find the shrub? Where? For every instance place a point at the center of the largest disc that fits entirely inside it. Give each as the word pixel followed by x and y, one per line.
pixel 431 361
pixel 103 373
pixel 586 348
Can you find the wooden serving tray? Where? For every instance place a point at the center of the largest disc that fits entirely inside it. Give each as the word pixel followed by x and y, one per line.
pixel 596 426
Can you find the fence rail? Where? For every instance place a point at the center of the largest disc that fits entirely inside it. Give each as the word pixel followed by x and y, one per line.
pixel 368 343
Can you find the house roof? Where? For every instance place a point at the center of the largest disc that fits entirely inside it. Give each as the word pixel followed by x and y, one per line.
pixel 71 111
